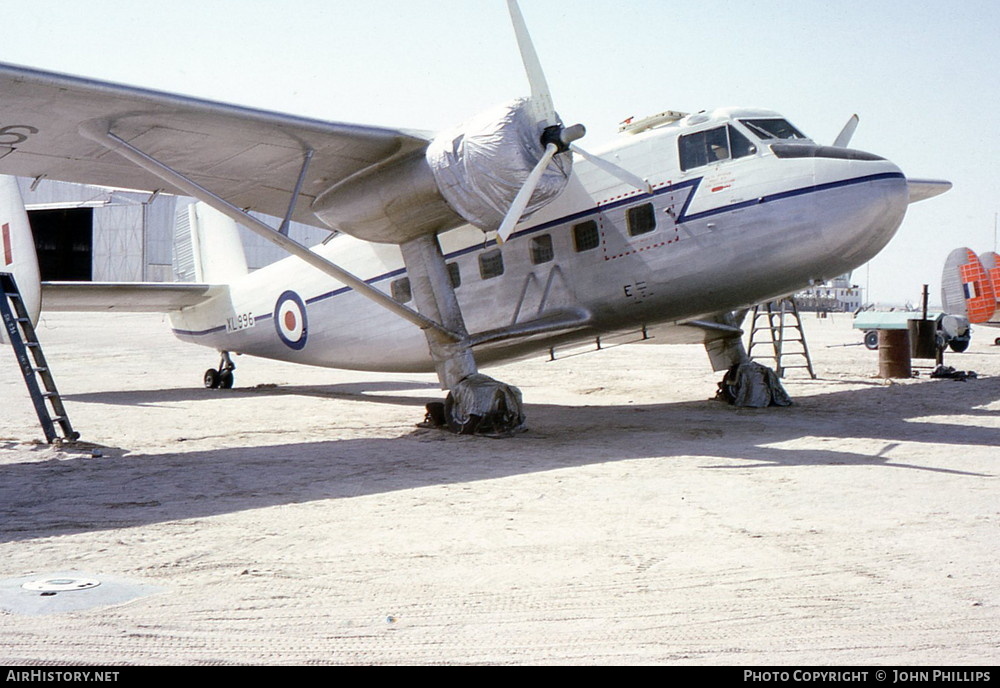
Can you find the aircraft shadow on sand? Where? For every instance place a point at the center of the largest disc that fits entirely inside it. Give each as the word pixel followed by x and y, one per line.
pixel 43 499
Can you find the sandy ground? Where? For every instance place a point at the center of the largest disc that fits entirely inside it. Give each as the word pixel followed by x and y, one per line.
pixel 303 518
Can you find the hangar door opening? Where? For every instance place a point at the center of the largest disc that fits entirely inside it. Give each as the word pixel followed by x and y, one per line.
pixel 64 241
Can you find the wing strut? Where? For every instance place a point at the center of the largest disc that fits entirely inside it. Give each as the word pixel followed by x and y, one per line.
pixel 99 131
pixel 295 193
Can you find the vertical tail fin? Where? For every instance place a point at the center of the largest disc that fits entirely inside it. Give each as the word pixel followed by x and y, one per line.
pixel 207 246
pixel 967 286
pixel 17 250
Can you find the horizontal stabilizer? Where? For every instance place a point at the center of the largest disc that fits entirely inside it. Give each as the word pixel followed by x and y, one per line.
pixel 126 297
pixel 922 189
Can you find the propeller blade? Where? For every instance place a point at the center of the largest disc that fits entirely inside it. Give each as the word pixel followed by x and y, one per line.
pixel 524 195
pixel 844 137
pixel 614 170
pixel 541 97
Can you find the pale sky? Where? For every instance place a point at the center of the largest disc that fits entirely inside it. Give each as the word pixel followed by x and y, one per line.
pixel 921 75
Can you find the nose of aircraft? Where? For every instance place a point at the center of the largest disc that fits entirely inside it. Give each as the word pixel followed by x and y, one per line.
pixel 866 207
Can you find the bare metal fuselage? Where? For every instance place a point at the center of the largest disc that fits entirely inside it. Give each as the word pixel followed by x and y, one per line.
pixel 727 235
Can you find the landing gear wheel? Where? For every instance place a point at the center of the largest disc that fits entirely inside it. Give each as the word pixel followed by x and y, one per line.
pixel 223 377
pixel 458 423
pixel 212 380
pixel 958 345
pixel 481 405
pixel 871 340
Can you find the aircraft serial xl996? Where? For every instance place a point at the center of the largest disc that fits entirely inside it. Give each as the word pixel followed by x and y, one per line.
pixel 494 240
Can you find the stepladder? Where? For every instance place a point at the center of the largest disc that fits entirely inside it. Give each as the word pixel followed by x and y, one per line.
pixel 19 333
pixel 777 327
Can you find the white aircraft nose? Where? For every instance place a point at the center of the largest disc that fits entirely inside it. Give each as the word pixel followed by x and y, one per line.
pixel 865 206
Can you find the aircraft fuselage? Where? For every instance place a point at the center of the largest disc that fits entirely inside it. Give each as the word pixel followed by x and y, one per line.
pixel 715 235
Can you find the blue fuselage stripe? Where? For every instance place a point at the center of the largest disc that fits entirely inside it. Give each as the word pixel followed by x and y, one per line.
pixel 682 217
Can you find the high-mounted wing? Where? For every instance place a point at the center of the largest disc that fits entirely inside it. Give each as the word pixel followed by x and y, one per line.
pixel 251 158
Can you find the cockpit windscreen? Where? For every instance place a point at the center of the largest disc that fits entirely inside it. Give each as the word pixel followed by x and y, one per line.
pixel 772 129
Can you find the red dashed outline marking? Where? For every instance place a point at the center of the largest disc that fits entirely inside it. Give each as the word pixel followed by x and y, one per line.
pixel 660 244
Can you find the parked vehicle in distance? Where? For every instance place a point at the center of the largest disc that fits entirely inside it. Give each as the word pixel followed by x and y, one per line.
pixel 953 331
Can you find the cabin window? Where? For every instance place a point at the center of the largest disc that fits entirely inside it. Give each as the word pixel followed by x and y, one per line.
pixel 541 249
pixel 585 236
pixel 454 275
pixel 491 264
pixel 401 290
pixel 713 145
pixel 772 129
pixel 640 219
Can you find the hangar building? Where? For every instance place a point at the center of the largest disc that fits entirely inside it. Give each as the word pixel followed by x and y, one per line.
pixel 88 233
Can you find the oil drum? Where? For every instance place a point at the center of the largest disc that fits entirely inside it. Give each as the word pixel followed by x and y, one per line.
pixel 923 338
pixel 894 353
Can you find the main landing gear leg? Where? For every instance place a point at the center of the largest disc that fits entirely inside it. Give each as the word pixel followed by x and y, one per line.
pixel 745 383
pixel 475 403
pixel 223 377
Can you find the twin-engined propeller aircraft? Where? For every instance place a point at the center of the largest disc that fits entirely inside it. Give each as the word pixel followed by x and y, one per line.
pixel 497 239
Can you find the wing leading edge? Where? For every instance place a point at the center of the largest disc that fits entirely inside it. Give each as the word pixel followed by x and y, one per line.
pixel 251 158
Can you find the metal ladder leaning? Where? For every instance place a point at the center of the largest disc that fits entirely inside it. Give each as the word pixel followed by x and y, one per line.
pixel 34 367
pixel 774 314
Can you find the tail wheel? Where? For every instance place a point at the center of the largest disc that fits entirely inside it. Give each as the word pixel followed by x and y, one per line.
pixel 871 340
pixel 213 380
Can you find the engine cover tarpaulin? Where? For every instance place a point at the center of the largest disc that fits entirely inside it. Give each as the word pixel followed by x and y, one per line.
pixel 481 165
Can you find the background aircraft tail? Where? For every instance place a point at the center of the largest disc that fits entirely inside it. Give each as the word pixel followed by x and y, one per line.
pixel 207 246
pixel 17 251
pixel 969 285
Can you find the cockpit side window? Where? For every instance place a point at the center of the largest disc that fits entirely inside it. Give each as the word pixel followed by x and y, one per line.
pixel 740 144
pixel 772 129
pixel 713 145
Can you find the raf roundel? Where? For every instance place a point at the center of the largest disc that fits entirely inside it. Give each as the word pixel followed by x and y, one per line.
pixel 290 320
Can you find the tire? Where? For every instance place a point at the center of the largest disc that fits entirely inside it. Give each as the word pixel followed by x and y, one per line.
pixel 871 340
pixel 226 379
pixel 958 345
pixel 468 427
pixel 211 379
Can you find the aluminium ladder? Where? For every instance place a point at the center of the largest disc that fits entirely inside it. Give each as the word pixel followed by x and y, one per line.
pixel 21 333
pixel 774 314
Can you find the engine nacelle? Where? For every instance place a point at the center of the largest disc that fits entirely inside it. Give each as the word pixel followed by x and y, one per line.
pixel 470 174
pixel 389 203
